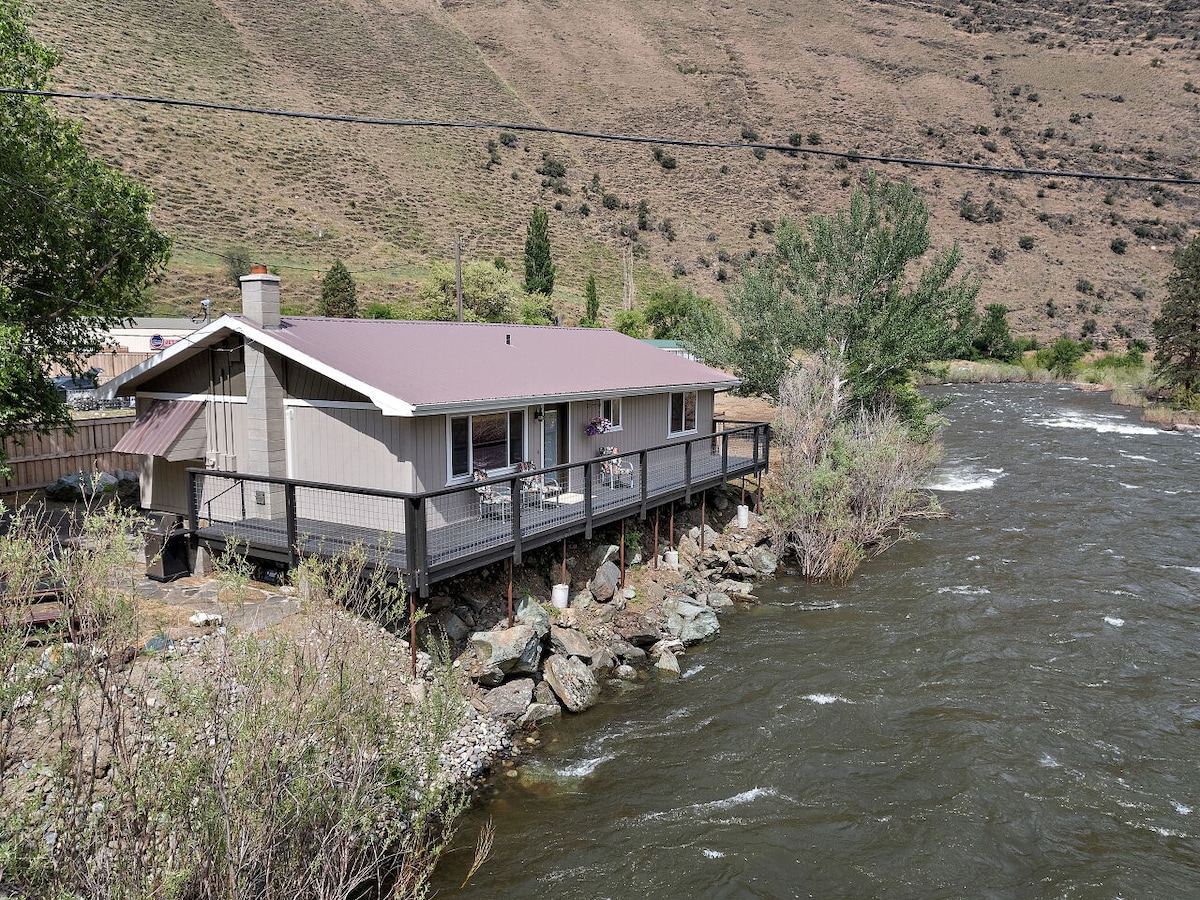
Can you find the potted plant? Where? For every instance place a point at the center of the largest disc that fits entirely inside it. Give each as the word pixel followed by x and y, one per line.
pixel 598 425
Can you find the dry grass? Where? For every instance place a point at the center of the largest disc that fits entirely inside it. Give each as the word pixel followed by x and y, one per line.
pixel 910 78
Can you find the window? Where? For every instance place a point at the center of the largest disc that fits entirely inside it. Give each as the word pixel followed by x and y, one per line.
pixel 487 441
pixel 611 410
pixel 683 413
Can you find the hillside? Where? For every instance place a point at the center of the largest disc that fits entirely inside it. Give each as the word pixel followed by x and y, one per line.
pixel 1051 84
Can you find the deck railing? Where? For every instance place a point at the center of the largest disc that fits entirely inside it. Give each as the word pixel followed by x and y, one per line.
pixel 431 535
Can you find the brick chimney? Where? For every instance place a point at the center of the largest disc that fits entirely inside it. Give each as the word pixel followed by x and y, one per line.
pixel 260 297
pixel 266 452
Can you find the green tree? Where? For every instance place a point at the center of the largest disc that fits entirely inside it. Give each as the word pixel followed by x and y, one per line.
pixel 535 309
pixel 1062 357
pixel 630 322
pixel 339 293
pixel 1177 329
pixel 842 283
pixel 539 267
pixel 591 299
pixel 77 245
pixel 994 340
pixel 489 295
pixel 671 311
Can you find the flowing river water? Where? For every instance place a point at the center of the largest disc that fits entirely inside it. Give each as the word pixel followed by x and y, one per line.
pixel 1007 706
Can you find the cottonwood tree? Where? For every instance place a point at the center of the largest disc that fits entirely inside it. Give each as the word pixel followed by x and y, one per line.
pixel 1177 329
pixel 77 247
pixel 489 294
pixel 843 283
pixel 339 293
pixel 672 310
pixel 539 267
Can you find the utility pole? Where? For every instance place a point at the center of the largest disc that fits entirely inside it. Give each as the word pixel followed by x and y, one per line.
pixel 458 274
pixel 627 285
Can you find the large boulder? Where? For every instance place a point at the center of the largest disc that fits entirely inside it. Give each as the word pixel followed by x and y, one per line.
pixel 688 621
pixel 514 651
pixel 604 553
pixel 511 699
pixel 530 612
pixel 635 629
pixel 570 643
pixel 667 665
pixel 572 681
pixel 604 583
pixel 446 623
pixel 540 712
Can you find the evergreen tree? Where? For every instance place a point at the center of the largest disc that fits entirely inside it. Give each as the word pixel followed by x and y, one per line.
pixel 995 340
pixel 539 267
pixel 1177 329
pixel 591 299
pixel 77 243
pixel 339 293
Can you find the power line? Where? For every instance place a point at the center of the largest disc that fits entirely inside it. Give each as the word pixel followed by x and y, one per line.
pixel 851 155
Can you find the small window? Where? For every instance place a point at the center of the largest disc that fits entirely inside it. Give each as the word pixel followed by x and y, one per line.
pixel 683 413
pixel 611 410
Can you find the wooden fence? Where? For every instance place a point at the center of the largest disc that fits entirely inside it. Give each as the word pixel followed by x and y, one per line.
pixel 111 363
pixel 38 459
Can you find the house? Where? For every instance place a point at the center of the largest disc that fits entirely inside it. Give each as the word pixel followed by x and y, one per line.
pixel 671 347
pixel 331 421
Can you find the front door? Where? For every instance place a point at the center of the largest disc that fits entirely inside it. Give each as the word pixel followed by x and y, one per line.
pixel 554 439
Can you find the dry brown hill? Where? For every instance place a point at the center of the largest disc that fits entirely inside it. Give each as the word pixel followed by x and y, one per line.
pixel 1053 84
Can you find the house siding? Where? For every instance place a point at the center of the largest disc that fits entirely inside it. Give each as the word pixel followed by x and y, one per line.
pixel 302 383
pixel 360 447
pixel 645 422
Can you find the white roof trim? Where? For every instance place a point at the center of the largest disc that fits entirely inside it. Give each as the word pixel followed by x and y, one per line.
pixel 108 390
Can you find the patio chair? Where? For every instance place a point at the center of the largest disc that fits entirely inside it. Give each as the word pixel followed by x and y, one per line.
pixel 495 500
pixel 537 489
pixel 615 472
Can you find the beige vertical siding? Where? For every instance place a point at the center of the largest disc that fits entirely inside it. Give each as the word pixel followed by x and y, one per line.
pixel 192 376
pixel 645 422
pixel 166 483
pixel 347 446
pixel 302 383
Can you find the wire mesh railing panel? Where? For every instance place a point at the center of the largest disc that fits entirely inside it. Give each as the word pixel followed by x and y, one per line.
pixel 244 511
pixel 467 522
pixel 665 469
pixel 329 520
pixel 559 502
pixel 741 449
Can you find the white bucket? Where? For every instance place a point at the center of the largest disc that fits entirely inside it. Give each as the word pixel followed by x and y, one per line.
pixel 671 558
pixel 560 595
pixel 743 516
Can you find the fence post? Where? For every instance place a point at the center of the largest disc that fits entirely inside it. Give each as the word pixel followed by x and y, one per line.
pixel 293 536
pixel 687 471
pixel 587 500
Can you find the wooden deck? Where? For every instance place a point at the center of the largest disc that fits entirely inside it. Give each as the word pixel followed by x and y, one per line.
pixel 428 537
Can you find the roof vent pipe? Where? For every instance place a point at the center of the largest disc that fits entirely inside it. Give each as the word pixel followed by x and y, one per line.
pixel 508 339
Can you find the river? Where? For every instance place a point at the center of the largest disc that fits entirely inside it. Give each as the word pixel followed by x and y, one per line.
pixel 1007 706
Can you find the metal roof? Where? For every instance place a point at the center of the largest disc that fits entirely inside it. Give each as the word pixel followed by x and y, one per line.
pixel 158 427
pixel 415 368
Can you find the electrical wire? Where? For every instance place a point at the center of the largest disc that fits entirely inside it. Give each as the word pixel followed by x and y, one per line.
pixel 851 155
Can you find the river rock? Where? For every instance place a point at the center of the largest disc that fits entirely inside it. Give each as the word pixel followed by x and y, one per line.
pixel 530 612
pixel 688 548
pixel 718 602
pixel 667 665
pixel 635 629
pixel 570 643
pixel 572 681
pixel 688 621
pixel 626 651
pixel 514 651
pixel 449 624
pixel 510 700
pixel 604 553
pixel 540 712
pixel 583 600
pixel 603 660
pixel 604 584
pixel 544 694
pixel 626 672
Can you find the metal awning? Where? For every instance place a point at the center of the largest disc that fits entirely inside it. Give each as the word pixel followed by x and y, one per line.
pixel 160 428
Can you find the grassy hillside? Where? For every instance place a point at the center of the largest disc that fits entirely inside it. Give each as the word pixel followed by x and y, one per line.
pixel 1104 87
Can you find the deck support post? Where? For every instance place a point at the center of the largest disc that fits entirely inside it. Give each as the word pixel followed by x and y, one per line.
pixel 672 524
pixel 412 631
pixel 687 471
pixel 766 430
pixel 411 558
pixel 622 553
pixel 510 589
pixel 703 517
pixel 725 454
pixel 564 563
pixel 656 511
pixel 293 537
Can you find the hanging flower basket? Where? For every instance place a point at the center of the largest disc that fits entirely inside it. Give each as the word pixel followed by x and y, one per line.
pixel 598 425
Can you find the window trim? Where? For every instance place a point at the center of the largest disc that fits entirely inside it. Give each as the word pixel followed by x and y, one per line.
pixel 617 405
pixel 451 478
pixel 695 413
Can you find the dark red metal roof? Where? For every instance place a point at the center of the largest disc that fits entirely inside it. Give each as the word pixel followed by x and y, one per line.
pixel 435 363
pixel 158 427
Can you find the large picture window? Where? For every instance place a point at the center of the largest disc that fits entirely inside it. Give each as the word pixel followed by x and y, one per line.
pixel 683 413
pixel 487 441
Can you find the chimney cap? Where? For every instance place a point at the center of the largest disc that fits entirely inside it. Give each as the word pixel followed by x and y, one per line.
pixel 258 269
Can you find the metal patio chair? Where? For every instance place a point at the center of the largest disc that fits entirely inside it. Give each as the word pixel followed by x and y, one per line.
pixel 495 501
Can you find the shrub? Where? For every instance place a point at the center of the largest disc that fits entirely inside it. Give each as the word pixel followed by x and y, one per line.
pixel 1026 242
pixel 508 139
pixel 796 139
pixel 1084 286
pixel 610 201
pixel 749 134
pixel 759 153
pixel 814 138
pixel 1118 245
pixel 1062 357
pixel 551 167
